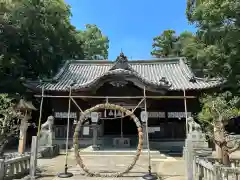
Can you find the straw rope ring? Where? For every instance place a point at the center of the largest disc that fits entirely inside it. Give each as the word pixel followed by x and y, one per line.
pixel 76 135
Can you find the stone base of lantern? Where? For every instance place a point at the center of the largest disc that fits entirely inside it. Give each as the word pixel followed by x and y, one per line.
pixel 49 151
pixel 21 146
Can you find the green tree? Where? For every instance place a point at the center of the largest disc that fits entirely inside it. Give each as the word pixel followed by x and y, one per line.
pixel 36 37
pixel 219 30
pixel 95 44
pixel 217 111
pixel 186 45
pixel 164 45
pixel 9 121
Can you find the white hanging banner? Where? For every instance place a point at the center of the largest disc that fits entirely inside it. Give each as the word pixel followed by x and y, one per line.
pixel 156 114
pixel 86 130
pixel 64 115
pixel 178 114
pixel 153 129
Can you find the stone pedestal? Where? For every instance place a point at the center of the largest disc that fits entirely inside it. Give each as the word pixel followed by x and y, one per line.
pixel 22 137
pixel 95 146
pixel 195 145
pixel 121 142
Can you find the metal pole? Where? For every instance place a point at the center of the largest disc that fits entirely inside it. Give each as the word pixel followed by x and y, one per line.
pixel 40 112
pixel 149 156
pixel 148 176
pixel 121 128
pixel 66 174
pixel 68 123
pixel 185 109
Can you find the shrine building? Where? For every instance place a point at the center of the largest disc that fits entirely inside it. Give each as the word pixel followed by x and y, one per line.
pixel 171 91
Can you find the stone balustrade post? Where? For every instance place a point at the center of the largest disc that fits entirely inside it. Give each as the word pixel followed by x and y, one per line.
pixel 215 172
pixel 195 145
pixel 2 169
pixel 201 173
pixel 33 159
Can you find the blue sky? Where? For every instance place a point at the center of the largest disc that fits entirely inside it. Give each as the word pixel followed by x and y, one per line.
pixel 131 24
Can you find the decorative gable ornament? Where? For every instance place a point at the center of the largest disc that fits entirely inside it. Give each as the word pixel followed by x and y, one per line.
pixel 122 63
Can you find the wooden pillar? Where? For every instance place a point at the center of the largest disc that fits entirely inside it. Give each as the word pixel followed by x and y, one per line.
pixel 185 110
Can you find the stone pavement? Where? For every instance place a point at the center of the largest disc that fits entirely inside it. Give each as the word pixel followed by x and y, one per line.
pixel 169 168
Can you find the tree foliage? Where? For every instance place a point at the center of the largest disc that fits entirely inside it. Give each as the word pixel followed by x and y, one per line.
pixel 219 30
pixel 36 37
pixel 214 50
pixel 95 44
pixel 187 44
pixel 164 45
pixel 219 107
pixel 216 112
pixel 9 121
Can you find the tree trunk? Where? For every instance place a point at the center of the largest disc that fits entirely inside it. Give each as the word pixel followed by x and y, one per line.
pixel 225 156
pixel 221 144
pixel 218 149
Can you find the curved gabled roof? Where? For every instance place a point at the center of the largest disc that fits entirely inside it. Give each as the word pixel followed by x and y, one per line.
pixel 172 74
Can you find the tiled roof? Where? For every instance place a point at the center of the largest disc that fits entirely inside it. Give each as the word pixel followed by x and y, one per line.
pixel 177 74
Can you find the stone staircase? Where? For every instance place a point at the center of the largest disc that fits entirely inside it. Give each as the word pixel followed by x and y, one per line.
pixel 120 152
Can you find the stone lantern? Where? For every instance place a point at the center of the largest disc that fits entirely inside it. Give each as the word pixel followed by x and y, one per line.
pixel 25 108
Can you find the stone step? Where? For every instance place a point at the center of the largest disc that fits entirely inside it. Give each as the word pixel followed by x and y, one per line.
pixel 153 154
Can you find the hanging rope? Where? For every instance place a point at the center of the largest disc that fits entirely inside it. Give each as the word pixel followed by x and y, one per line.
pixel 76 135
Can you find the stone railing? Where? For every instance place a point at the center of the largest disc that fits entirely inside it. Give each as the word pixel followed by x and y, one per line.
pixel 235 162
pixel 210 169
pixel 14 168
pixel 200 164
